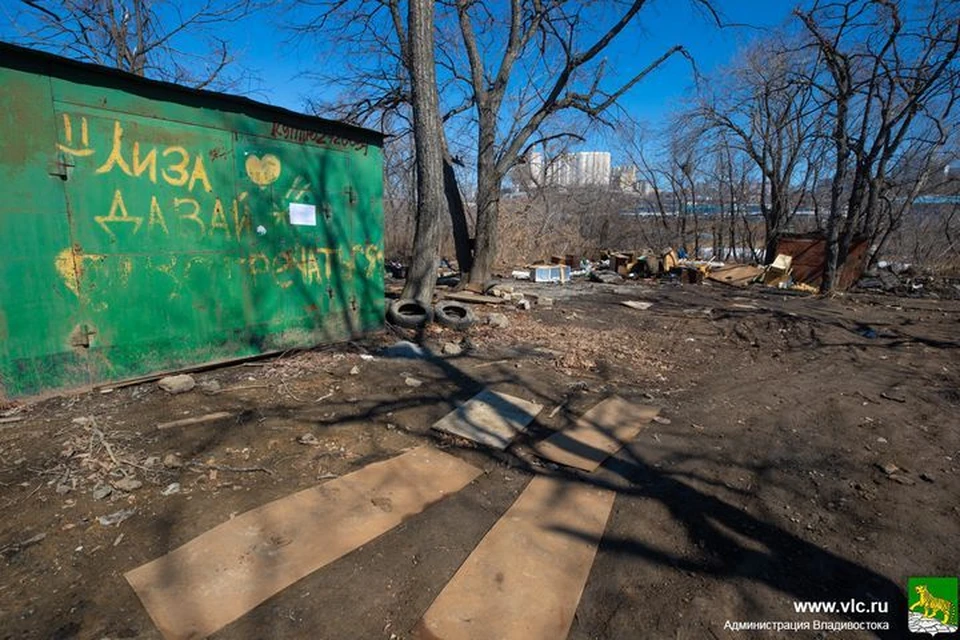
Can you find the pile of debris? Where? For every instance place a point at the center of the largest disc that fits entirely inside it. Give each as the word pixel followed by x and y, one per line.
pixel 779 274
pixel 104 464
pixel 902 279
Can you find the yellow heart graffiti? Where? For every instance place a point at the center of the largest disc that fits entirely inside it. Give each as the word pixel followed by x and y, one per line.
pixel 263 171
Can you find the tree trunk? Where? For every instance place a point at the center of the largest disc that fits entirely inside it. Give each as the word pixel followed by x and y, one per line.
pixel 458 218
pixel 488 200
pixel 427 137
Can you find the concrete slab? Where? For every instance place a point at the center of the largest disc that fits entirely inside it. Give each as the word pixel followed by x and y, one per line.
pixel 525 578
pixel 601 431
pixel 222 574
pixel 490 418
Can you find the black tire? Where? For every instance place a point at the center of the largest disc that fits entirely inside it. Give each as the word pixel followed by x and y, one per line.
pixel 408 313
pixel 455 315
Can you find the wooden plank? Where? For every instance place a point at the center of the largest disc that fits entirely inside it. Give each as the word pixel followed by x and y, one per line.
pixel 186 422
pixel 490 418
pixel 466 296
pixel 600 432
pixel 525 578
pixel 222 574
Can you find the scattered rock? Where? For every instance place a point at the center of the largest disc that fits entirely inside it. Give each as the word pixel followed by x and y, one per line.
pixel 127 484
pixel 661 420
pixel 210 386
pixel 882 440
pixel 309 439
pixel 890 395
pixel 926 477
pixel 116 517
pixel 17 547
pixel 896 477
pixel 888 468
pixel 63 489
pixel 639 305
pixel 524 305
pixel 84 421
pixel 606 277
pixel 452 349
pixel 497 320
pixel 544 301
pixel 102 491
pixel 355 370
pixel 404 349
pixel 410 381
pixel 177 384
pixel 366 357
pixel 171 489
pixel 172 461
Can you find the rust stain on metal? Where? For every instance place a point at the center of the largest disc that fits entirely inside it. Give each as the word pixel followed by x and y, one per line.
pixel 809 259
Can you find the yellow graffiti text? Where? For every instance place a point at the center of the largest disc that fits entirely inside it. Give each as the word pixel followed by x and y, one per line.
pixel 118 207
pixel 115 159
pixel 149 161
pixel 69 263
pixel 194 213
pixel 181 169
pixel 241 222
pixel 156 216
pixel 219 219
pixel 84 149
pixel 298 189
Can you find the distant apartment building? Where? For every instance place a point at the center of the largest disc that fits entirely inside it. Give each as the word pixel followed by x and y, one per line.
pixel 580 169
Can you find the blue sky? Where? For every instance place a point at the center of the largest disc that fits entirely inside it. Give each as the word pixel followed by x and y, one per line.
pixel 263 46
pixel 662 24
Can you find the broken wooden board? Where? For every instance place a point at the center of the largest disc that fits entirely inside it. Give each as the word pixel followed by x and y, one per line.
pixel 639 305
pixel 222 574
pixel 597 434
pixel 490 418
pixel 525 578
pixel 739 275
pixel 466 296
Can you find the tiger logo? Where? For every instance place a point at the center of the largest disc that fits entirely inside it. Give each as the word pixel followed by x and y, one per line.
pixel 931 604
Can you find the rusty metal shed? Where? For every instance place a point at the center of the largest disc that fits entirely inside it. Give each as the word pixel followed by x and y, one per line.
pixel 809 259
pixel 145 226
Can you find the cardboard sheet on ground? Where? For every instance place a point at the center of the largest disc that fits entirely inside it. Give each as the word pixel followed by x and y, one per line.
pixel 525 578
pixel 222 574
pixel 490 418
pixel 596 435
pixel 738 275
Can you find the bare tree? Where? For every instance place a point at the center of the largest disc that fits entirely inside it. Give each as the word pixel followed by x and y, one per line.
pixel 375 83
pixel 885 81
pixel 763 110
pixel 544 39
pixel 152 38
pixel 506 71
pixel 422 273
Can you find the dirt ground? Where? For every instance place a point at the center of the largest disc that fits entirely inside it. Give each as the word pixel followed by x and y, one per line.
pixel 762 485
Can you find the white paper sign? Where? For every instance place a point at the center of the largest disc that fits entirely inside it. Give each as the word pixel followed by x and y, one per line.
pixel 303 214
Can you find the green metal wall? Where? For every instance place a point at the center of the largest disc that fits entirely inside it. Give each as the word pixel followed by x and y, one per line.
pixel 145 227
